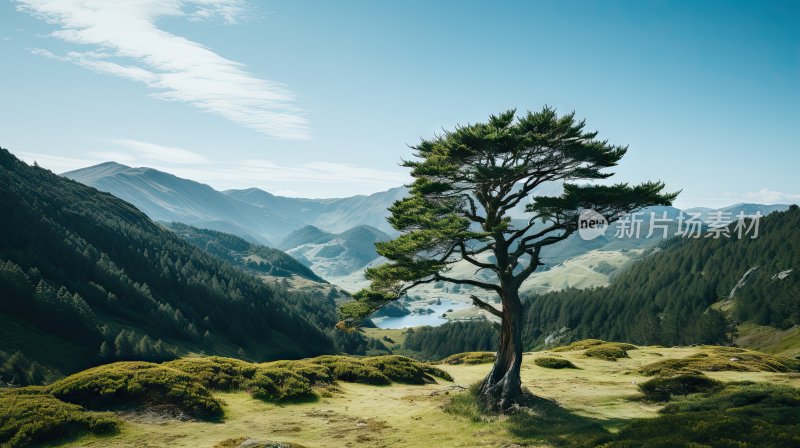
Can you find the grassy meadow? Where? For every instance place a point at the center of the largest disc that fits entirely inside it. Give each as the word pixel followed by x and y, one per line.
pixel 394 401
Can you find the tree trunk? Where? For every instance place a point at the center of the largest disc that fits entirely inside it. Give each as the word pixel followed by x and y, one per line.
pixel 502 388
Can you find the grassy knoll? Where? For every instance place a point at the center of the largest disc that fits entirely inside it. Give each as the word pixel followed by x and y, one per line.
pixel 602 403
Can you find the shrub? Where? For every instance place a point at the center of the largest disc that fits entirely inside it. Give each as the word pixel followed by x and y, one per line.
pixel 406 370
pixel 595 348
pixel 578 345
pixel 33 419
pixel 470 358
pixel 278 384
pixel 352 370
pixel 313 372
pixel 609 352
pixel 216 372
pixel 662 388
pixel 137 383
pixel 550 362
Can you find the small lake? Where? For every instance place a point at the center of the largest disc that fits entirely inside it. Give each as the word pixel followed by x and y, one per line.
pixel 416 320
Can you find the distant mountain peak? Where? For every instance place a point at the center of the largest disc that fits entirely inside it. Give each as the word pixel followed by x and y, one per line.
pixel 96 172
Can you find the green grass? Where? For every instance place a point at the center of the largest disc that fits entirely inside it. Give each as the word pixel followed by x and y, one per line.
pixel 470 358
pixel 28 419
pixel 132 384
pixel 551 362
pixel 600 403
pixel 537 419
pixel 35 414
pixel 771 340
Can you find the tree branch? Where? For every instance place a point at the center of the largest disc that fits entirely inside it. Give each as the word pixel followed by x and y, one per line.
pixel 463 281
pixel 485 306
pixel 467 255
pixel 530 268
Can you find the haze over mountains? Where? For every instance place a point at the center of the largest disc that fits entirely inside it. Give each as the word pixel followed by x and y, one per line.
pixel 335 237
pixel 252 213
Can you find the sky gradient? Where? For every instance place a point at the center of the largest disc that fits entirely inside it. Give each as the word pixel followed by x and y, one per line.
pixel 322 99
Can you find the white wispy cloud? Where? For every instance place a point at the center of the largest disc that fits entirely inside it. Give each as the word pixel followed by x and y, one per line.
pixel 125 41
pixel 766 196
pixel 161 153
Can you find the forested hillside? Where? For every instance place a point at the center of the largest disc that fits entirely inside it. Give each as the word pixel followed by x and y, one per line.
pixel 667 297
pixel 242 253
pixel 88 278
pixel 680 295
pixel 435 343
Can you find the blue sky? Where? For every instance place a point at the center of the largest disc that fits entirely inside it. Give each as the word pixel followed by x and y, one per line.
pixel 321 99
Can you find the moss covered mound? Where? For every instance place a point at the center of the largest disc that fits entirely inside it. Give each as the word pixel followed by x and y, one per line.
pixel 739 415
pixel 249 442
pixel 353 370
pixel 470 358
pixel 585 344
pixel 595 348
pixel 279 384
pixel 723 359
pixel 137 383
pixel 292 380
pixel 550 362
pixel 313 372
pixel 663 388
pixel 609 353
pixel 39 414
pixel 33 419
pixel 216 372
pixel 402 369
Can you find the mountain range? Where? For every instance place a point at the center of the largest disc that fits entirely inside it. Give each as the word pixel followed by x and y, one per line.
pixel 334 237
pixel 253 214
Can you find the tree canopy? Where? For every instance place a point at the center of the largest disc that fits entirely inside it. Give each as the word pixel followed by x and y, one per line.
pixel 467 181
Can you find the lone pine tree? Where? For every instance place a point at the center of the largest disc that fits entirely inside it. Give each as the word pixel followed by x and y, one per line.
pixel 466 182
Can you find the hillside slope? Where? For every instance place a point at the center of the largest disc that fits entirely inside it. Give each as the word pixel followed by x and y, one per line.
pixel 667 297
pixel 238 252
pixel 334 215
pixel 86 277
pixel 334 255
